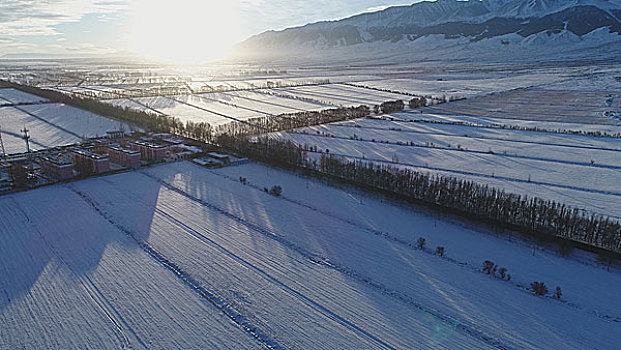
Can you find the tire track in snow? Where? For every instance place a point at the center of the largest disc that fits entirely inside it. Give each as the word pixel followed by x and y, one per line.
pixel 101 302
pixel 469 330
pixel 298 295
pixel 291 291
pixel 236 318
pixel 412 246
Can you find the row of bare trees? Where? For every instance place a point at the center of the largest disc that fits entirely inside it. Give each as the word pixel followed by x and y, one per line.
pixel 529 214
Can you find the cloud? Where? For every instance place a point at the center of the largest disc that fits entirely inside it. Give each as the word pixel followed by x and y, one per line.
pixel 39 17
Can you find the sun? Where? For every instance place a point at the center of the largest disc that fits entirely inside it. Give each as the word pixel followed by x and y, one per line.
pixel 184 31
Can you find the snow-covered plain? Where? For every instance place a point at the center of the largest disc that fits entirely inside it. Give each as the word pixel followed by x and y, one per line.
pixel 605 127
pixel 50 125
pixel 550 165
pixel 343 95
pixel 13 96
pixel 72 280
pixel 320 267
pixel 265 102
pixel 218 108
pixel 464 85
pixel 541 104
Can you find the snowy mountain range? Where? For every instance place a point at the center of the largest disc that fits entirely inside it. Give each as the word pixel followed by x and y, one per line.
pixel 449 23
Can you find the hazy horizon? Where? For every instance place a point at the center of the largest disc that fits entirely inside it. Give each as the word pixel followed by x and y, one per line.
pixel 176 32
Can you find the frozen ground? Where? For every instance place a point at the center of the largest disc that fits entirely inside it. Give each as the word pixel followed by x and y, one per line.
pixel 540 104
pixel 72 280
pixel 343 95
pixel 50 125
pixel 13 96
pixel 320 267
pixel 466 85
pixel 427 115
pixel 550 165
pixel 221 107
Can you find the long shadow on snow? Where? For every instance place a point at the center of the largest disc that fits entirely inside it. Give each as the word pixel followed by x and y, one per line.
pixel 37 225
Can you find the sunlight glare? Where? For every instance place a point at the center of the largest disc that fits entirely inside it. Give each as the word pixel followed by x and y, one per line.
pixel 184 31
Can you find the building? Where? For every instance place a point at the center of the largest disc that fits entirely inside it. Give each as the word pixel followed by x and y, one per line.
pixel 208 162
pixel 182 151
pixel 57 167
pixel 151 151
pixel 124 156
pixel 87 162
pixel 239 161
pixel 223 158
pixel 115 134
pixel 226 159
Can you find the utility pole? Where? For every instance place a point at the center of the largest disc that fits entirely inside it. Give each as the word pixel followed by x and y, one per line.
pixel 2 150
pixel 26 138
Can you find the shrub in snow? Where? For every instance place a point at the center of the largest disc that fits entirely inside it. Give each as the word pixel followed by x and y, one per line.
pixel 558 293
pixel 489 267
pixel 502 272
pixel 539 288
pixel 440 251
pixel 276 191
pixel 420 243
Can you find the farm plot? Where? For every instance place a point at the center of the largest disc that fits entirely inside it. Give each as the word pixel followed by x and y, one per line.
pixel 132 104
pixel 267 102
pixel 14 96
pixel 43 135
pixel 93 91
pixel 342 95
pixel 50 125
pixel 538 104
pixel 74 120
pixel 310 272
pixel 552 166
pixel 462 85
pixel 420 116
pixel 221 107
pixel 570 149
pixel 183 111
pixel 73 280
pixel 207 102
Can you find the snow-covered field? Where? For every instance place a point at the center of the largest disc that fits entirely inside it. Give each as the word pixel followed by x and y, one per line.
pixel 550 165
pixel 483 121
pixel 343 95
pixel 50 125
pixel 540 104
pixel 178 256
pixel 72 280
pixel 13 96
pixel 465 85
pixel 265 101
pixel 222 107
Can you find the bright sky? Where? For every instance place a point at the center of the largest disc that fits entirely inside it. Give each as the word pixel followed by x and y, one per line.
pixel 172 30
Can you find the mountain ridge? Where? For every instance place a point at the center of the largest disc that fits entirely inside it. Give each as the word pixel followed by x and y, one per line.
pixel 475 20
